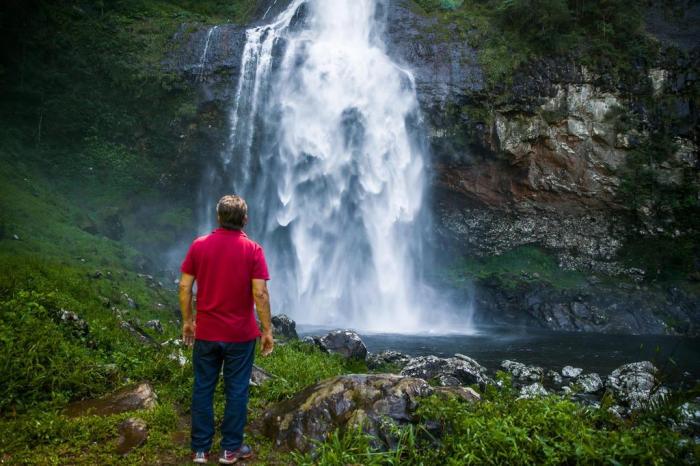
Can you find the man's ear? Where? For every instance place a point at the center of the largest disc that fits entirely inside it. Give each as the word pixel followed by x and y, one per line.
pixel 245 219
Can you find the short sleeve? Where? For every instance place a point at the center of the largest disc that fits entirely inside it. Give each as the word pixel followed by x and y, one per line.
pixel 259 265
pixel 189 265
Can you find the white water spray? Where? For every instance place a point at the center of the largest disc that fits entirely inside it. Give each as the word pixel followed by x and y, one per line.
pixel 203 59
pixel 325 148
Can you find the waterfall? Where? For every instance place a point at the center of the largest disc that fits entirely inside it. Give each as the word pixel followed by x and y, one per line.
pixel 203 59
pixel 325 145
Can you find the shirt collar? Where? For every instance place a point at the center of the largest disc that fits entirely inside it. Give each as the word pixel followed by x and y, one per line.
pixel 229 232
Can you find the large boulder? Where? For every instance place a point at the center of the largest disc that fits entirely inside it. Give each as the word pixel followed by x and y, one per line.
pixel 532 391
pixel 522 371
pixel 283 327
pixel 155 325
pixel 635 383
pixel 126 399
pixel 589 383
pixel 394 358
pixel 554 377
pixel 366 400
pixel 447 371
pixel 571 371
pixel 346 343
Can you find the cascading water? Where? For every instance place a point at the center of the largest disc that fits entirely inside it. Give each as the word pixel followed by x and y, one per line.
pixel 203 59
pixel 325 147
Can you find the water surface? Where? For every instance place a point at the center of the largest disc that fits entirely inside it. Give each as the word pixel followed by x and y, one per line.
pixel 593 352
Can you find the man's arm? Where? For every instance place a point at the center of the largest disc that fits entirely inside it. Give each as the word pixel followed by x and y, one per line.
pixel 262 305
pixel 186 282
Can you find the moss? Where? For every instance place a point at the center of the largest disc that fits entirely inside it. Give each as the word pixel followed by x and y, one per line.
pixel 523 264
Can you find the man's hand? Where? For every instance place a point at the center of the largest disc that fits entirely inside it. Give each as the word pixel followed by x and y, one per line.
pixel 188 333
pixel 262 305
pixel 186 283
pixel 266 343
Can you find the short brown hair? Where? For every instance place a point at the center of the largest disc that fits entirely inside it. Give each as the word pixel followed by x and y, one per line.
pixel 232 211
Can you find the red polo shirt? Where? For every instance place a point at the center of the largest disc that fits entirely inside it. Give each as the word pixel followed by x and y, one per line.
pixel 223 264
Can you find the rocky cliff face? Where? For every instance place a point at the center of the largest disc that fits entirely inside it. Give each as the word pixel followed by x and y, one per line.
pixel 543 162
pixel 539 162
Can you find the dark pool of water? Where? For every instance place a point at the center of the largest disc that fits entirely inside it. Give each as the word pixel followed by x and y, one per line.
pixel 552 350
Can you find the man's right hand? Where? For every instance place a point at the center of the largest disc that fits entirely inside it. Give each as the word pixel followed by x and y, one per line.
pixel 188 333
pixel 266 343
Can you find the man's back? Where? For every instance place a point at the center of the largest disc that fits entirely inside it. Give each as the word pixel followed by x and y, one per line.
pixel 224 263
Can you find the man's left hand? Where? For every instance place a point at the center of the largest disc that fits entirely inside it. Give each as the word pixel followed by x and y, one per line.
pixel 188 333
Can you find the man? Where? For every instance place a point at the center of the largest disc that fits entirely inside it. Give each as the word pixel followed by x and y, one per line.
pixel 231 275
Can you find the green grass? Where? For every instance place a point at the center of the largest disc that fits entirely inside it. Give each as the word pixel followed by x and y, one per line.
pixel 298 365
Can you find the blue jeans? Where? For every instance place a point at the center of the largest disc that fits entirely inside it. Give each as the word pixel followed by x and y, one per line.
pixel 207 358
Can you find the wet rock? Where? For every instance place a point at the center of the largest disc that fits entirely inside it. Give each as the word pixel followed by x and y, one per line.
pixel 689 416
pixel 533 390
pixel 463 393
pixel 178 357
pixel 603 308
pixel 617 411
pixel 589 383
pixel 634 384
pixel 341 402
pixel 137 332
pixel 133 433
pixel 284 327
pixel 447 380
pixel 312 340
pixel 344 342
pixel 259 376
pixel 177 342
pixel 155 325
pixel 77 325
pixel 570 371
pixel 554 377
pixel 131 303
pixel 395 358
pixel 429 367
pixel 522 371
pixel 126 399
